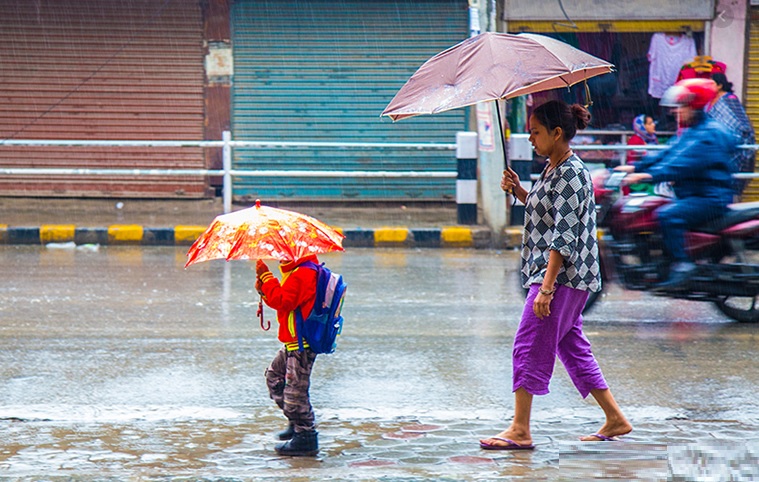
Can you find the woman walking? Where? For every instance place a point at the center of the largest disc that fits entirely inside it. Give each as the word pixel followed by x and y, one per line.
pixel 560 267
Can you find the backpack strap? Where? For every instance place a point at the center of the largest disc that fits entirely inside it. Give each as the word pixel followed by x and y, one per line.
pixel 298 316
pixel 310 265
pixel 299 328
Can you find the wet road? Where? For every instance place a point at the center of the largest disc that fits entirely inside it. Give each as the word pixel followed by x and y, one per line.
pixel 118 363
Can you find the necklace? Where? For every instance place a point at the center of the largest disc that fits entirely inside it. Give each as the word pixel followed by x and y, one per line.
pixel 563 158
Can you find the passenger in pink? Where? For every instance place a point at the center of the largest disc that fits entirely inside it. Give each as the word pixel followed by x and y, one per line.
pixel 560 267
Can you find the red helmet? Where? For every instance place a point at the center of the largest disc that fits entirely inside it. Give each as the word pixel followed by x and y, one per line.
pixel 694 93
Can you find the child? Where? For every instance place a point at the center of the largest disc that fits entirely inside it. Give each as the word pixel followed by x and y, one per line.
pixel 645 133
pixel 289 375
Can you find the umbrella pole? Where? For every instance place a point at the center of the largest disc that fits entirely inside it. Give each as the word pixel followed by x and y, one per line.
pixel 500 134
pixel 503 144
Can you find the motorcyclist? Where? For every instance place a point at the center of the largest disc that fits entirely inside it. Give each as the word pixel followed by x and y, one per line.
pixel 699 166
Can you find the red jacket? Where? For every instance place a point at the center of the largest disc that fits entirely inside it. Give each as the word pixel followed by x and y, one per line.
pixel 635 156
pixel 296 291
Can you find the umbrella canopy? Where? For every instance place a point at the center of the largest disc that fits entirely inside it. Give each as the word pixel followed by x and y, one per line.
pixel 492 66
pixel 262 232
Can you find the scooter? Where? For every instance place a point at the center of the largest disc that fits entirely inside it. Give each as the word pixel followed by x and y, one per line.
pixel 632 250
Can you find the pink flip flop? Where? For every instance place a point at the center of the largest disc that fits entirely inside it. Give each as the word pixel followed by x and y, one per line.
pixel 602 438
pixel 510 445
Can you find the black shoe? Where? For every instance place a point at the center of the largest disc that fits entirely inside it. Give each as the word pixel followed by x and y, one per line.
pixel 679 275
pixel 287 433
pixel 303 444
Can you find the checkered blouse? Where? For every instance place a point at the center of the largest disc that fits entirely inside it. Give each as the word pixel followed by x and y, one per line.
pixel 560 214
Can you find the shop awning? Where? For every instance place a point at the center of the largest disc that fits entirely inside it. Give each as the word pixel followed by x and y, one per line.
pixel 548 26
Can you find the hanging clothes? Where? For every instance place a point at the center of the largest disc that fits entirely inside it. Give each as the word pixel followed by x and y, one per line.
pixel 666 54
pixel 701 67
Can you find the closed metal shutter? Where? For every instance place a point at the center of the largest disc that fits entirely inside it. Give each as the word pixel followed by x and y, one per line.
pixel 102 70
pixel 752 93
pixel 322 70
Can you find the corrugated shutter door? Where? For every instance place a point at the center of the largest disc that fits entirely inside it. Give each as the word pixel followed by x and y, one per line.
pixel 752 93
pixel 102 70
pixel 322 70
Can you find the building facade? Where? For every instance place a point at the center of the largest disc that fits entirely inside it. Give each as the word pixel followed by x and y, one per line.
pixel 316 70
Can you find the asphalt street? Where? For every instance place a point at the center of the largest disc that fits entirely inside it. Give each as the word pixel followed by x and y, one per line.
pixel 117 363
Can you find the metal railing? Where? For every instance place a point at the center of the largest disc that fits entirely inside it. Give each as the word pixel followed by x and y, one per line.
pixel 227 144
pixel 226 171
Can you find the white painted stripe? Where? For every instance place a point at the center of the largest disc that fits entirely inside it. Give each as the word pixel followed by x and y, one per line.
pixel 466 145
pixel 466 191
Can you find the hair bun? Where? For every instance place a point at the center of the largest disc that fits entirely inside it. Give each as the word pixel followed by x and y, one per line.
pixel 581 115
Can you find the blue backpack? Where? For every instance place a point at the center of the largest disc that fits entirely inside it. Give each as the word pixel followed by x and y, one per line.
pixel 324 324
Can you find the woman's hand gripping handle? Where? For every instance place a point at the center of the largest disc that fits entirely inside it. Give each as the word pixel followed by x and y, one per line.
pixel 510 183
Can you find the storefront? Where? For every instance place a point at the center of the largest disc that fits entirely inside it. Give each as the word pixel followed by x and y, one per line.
pixel 102 70
pixel 752 89
pixel 621 33
pixel 323 71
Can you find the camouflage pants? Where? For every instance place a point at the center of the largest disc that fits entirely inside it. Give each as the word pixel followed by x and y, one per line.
pixel 289 378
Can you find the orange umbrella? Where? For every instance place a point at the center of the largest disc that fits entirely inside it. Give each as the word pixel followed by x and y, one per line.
pixel 263 232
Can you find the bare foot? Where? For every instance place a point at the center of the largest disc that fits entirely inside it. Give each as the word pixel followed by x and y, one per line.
pixel 610 430
pixel 519 437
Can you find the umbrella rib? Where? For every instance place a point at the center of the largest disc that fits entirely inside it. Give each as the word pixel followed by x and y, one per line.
pixel 510 95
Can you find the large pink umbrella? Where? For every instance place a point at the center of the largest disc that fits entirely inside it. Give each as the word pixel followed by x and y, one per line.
pixel 492 66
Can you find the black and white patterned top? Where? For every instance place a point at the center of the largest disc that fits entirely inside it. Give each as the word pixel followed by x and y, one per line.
pixel 560 214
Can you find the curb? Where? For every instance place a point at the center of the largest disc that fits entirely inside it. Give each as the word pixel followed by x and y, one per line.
pixel 185 235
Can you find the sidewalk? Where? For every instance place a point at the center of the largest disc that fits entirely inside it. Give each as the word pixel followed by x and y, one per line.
pixel 180 222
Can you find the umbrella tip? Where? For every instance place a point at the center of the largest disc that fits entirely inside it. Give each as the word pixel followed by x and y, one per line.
pixel 258 203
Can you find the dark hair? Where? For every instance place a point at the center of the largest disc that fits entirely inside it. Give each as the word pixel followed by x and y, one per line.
pixel 570 118
pixel 721 79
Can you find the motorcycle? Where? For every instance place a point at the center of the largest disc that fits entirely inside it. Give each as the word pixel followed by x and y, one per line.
pixel 632 250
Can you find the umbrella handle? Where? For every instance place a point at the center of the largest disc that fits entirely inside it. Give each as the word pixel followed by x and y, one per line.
pixel 503 145
pixel 260 315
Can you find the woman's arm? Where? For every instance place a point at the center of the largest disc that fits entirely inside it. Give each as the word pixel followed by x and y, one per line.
pixel 510 183
pixel 521 193
pixel 542 304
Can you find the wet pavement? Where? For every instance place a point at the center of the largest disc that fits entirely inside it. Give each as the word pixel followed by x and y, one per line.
pixel 116 363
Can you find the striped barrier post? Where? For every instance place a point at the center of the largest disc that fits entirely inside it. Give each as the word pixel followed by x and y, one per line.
pixel 520 160
pixel 466 178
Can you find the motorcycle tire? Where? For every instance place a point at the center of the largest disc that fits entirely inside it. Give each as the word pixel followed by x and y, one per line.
pixel 742 314
pixel 740 308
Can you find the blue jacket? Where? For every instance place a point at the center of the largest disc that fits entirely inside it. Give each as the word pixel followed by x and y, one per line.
pixel 698 163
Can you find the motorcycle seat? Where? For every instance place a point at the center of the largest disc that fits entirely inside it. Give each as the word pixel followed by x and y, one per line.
pixel 736 213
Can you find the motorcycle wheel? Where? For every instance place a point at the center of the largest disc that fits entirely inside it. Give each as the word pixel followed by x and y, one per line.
pixel 742 309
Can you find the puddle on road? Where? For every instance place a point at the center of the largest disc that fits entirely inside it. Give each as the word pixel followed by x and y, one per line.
pixel 129 442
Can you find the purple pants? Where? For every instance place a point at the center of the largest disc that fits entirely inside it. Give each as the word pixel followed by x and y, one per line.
pixel 538 342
